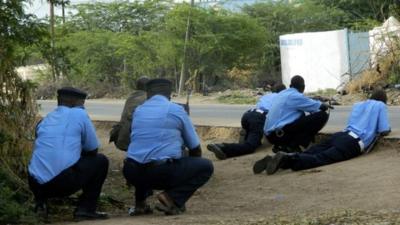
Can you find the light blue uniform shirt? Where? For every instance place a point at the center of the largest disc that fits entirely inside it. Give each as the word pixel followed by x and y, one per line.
pixel 265 102
pixel 61 136
pixel 368 118
pixel 159 130
pixel 288 106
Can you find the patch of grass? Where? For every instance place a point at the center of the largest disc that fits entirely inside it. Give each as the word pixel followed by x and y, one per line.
pixel 237 98
pixel 13 203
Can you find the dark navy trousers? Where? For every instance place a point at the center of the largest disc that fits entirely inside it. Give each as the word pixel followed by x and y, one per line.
pixel 300 132
pixel 339 147
pixel 88 175
pixel 179 178
pixel 253 123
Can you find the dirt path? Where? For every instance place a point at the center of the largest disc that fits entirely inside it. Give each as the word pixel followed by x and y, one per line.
pixel 365 190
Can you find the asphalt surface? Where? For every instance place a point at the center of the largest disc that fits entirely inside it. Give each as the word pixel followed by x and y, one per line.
pixel 215 114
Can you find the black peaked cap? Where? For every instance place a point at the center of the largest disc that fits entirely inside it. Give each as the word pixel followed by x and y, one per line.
pixel 72 92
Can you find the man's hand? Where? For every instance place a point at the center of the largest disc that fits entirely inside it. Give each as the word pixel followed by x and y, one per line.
pixel 325 107
pixel 195 152
pixel 89 153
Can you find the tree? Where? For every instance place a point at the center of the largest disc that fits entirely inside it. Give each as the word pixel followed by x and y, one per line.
pixel 133 17
pixel 17 106
pixel 361 11
pixel 280 18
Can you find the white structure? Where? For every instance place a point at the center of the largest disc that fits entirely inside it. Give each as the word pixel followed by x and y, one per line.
pixel 31 72
pixel 324 59
pixel 381 38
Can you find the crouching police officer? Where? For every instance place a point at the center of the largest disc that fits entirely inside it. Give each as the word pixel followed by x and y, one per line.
pixel 65 157
pixel 294 119
pixel 253 123
pixel 368 120
pixel 154 158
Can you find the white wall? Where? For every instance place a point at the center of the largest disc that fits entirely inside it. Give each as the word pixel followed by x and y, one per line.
pixel 321 58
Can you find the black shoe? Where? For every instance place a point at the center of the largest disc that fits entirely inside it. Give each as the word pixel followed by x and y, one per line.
pixel 80 215
pixel 216 149
pixel 261 164
pixel 137 210
pixel 170 211
pixel 168 206
pixel 276 162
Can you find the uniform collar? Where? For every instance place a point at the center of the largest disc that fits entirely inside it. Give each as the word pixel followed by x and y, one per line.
pixel 159 98
pixel 66 107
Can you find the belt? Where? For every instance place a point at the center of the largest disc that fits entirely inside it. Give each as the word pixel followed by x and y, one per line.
pixel 150 164
pixel 259 111
pixel 355 136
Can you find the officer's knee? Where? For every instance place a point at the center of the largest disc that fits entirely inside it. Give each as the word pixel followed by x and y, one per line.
pixel 322 116
pixel 207 167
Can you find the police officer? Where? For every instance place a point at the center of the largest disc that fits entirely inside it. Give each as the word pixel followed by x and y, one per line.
pixel 252 122
pixel 368 119
pixel 120 134
pixel 154 159
pixel 287 126
pixel 65 158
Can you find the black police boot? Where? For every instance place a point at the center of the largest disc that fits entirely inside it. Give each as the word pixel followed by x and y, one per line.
pixel 217 150
pixel 168 206
pixel 140 208
pixel 280 160
pixel 261 164
pixel 83 214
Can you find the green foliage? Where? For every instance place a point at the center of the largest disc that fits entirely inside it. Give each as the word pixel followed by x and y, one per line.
pixel 104 47
pixel 17 110
pixel 280 18
pixel 362 11
pixel 13 203
pixel 122 16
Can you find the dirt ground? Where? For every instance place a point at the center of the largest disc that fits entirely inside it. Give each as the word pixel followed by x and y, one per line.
pixel 365 190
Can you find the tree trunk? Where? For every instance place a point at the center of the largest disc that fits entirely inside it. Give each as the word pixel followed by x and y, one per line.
pixel 52 42
pixel 63 11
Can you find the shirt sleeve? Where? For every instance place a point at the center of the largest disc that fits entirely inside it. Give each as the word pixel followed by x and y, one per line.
pixel 89 138
pixel 305 104
pixel 383 121
pixel 190 137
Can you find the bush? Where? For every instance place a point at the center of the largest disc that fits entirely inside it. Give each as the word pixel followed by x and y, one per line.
pixel 13 203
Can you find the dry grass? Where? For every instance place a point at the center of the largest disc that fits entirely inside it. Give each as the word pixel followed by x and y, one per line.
pixel 385 72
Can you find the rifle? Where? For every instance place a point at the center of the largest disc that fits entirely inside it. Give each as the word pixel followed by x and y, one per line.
pixel 186 105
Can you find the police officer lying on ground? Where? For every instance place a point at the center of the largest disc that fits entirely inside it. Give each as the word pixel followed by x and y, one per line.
pixel 287 126
pixel 368 119
pixel 252 122
pixel 65 158
pixel 154 158
pixel 120 134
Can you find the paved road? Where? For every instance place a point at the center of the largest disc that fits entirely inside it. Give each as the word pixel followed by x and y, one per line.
pixel 214 114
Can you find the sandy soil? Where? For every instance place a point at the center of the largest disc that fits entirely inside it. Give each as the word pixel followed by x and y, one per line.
pixel 365 190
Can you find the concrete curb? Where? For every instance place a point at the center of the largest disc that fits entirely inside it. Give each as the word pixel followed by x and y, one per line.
pixel 232 132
